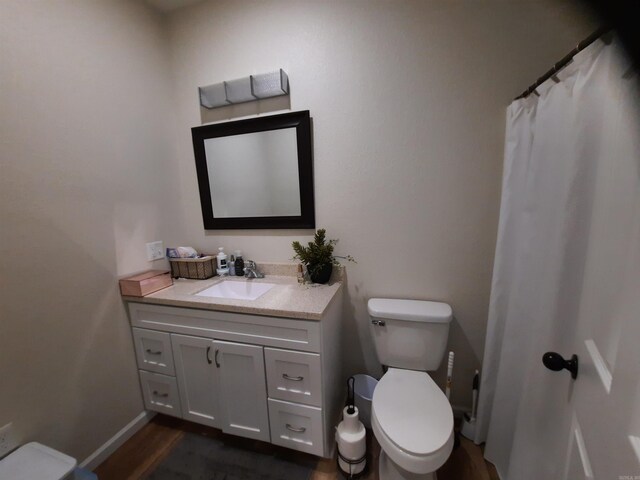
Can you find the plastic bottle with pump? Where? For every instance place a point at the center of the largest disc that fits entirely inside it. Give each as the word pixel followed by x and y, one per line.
pixel 222 269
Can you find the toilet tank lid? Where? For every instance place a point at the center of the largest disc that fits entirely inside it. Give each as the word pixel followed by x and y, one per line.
pixel 35 461
pixel 410 310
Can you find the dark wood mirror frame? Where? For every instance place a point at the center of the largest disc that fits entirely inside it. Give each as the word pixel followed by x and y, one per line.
pixel 302 123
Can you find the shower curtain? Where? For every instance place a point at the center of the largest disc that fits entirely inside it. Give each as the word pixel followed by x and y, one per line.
pixel 556 140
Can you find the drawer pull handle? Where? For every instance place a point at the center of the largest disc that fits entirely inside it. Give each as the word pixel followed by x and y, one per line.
pixel 158 394
pixel 216 358
pixel 294 379
pixel 297 430
pixel 153 352
pixel 208 357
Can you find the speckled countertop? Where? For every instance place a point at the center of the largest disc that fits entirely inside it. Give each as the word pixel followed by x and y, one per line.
pixel 286 299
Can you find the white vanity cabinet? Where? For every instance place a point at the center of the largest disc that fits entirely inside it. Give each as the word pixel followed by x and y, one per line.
pixel 268 378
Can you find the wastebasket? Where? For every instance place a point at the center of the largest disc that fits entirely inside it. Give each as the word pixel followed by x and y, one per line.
pixel 363 388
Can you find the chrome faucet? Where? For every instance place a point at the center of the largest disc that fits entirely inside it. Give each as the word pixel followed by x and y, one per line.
pixel 251 270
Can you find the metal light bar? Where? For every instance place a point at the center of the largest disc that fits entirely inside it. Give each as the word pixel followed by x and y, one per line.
pixel 247 89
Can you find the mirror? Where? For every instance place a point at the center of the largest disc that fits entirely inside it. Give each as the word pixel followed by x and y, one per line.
pixel 256 173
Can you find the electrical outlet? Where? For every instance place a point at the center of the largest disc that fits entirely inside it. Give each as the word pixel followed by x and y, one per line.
pixel 155 251
pixel 7 442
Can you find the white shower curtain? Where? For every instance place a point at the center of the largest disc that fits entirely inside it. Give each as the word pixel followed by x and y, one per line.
pixel 555 142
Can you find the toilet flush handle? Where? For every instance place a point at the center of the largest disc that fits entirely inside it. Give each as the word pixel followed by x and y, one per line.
pixel 380 323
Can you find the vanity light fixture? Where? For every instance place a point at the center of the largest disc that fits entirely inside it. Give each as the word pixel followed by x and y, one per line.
pixel 247 89
pixel 213 96
pixel 239 91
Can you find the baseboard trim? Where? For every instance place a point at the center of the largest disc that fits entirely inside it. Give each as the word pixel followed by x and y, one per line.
pixel 111 445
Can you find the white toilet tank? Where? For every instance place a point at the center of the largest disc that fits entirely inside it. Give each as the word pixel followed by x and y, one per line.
pixel 410 334
pixel 35 461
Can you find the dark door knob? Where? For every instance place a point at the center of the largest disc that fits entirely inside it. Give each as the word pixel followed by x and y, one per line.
pixel 554 361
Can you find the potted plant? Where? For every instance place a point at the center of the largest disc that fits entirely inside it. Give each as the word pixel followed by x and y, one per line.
pixel 318 256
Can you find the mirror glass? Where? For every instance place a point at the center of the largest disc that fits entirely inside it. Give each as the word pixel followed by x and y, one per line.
pixel 256 173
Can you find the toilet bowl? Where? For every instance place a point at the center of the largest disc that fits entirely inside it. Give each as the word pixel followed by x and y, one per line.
pixel 413 422
pixel 411 417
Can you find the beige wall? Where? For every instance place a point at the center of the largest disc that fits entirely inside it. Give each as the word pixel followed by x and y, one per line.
pixel 86 162
pixel 408 102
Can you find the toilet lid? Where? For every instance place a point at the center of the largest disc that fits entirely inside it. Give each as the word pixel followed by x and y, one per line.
pixel 35 461
pixel 412 411
pixel 410 310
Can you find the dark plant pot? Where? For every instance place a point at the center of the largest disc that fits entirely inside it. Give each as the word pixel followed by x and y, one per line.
pixel 320 274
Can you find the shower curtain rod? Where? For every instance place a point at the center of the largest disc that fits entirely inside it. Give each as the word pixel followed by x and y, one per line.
pixel 565 60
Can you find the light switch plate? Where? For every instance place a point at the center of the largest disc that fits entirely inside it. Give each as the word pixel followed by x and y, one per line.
pixel 7 441
pixel 155 251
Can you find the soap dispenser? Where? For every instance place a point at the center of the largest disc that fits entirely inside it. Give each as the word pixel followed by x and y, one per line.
pixel 239 264
pixel 222 269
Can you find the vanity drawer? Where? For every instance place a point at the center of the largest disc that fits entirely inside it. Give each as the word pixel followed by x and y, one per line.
pixel 153 351
pixel 294 376
pixel 160 393
pixel 296 426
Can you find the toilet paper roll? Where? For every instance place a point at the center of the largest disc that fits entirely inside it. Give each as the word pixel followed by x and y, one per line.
pixel 352 445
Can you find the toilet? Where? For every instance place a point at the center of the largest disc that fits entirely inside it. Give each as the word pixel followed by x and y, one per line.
pixel 35 461
pixel 410 415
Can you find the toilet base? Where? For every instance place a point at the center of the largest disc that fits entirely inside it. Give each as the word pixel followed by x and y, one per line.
pixel 388 470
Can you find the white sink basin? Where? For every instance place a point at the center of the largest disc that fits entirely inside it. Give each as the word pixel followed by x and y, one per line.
pixel 236 290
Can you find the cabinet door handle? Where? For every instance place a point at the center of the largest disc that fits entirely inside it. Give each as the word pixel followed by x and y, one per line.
pixel 153 352
pixel 216 358
pixel 208 357
pixel 294 379
pixel 296 430
pixel 158 394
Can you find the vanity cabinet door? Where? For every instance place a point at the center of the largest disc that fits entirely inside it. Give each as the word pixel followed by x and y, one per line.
pixel 243 392
pixel 197 377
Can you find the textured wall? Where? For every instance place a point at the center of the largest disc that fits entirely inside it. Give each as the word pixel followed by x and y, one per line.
pixel 86 163
pixel 408 104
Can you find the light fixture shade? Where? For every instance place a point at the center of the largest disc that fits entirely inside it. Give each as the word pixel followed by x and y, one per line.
pixel 213 96
pixel 271 84
pixel 247 89
pixel 239 90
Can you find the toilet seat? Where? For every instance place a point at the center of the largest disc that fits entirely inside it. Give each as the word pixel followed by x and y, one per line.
pixel 412 420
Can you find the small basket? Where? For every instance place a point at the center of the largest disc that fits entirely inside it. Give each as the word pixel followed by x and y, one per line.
pixel 193 268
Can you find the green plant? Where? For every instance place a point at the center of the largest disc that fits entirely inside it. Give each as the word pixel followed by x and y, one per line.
pixel 318 253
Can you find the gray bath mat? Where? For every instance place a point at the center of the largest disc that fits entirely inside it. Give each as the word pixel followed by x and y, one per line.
pixel 198 457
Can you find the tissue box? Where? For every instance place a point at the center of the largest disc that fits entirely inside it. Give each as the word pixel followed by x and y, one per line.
pixel 193 268
pixel 145 283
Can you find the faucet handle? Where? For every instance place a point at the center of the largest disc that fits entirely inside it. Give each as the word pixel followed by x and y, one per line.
pixel 251 264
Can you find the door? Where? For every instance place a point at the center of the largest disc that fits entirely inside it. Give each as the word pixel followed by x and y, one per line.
pixel 243 392
pixel 197 378
pixel 604 415
pixel 589 428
